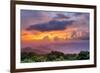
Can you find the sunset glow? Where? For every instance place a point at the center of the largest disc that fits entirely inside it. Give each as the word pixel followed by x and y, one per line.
pixel 46 31
pixel 48 35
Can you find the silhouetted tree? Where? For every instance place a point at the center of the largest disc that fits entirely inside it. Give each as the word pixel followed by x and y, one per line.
pixel 83 55
pixel 70 56
pixel 55 56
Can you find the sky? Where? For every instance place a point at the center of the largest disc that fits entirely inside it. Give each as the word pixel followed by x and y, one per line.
pixel 54 25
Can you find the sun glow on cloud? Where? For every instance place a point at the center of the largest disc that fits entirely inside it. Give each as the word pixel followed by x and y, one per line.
pixel 51 26
pixel 49 35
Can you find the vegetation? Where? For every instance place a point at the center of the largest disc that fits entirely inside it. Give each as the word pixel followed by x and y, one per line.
pixel 28 57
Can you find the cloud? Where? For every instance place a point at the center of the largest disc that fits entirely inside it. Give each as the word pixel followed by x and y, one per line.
pixel 78 14
pixel 62 16
pixel 79 34
pixel 31 17
pixel 51 25
pixel 51 20
pixel 81 21
pixel 25 14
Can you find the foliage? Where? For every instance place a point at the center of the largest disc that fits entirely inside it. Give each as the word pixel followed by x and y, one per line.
pixel 55 56
pixel 83 55
pixel 27 57
pixel 70 57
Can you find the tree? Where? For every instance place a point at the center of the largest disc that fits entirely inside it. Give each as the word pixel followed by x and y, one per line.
pixel 39 58
pixel 27 56
pixel 70 56
pixel 55 56
pixel 83 55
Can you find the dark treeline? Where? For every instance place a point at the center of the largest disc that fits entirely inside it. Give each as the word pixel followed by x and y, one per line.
pixel 27 57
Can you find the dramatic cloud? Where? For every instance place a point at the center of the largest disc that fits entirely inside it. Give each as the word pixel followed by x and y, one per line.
pixel 52 25
pixel 44 25
pixel 25 14
pixel 46 31
pixel 62 16
pixel 31 17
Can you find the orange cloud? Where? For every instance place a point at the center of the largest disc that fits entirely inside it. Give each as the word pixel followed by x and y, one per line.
pixel 66 34
pixel 50 35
